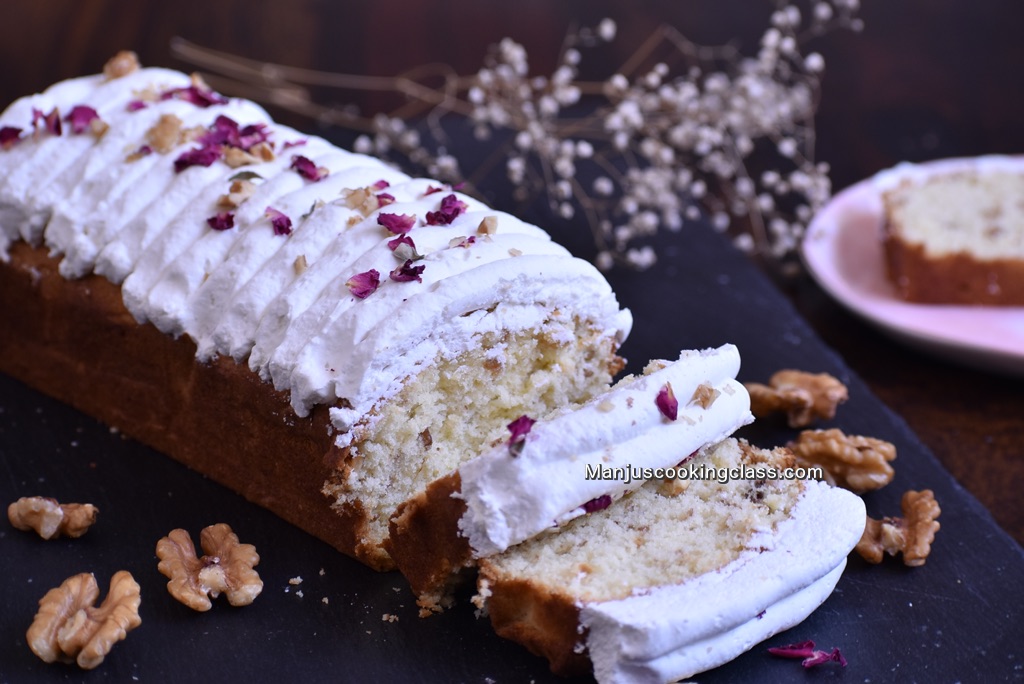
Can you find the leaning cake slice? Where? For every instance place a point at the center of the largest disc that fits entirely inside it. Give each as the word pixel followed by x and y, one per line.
pixel 576 460
pixel 679 576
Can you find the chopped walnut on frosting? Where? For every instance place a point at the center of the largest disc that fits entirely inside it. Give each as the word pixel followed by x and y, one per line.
pixel 70 628
pixel 51 519
pixel 240 190
pixel 853 462
pixel 705 395
pixel 226 567
pixel 121 64
pixel 912 535
pixel 803 397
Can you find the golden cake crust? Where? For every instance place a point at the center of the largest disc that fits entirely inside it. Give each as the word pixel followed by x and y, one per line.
pixel 425 542
pixel 951 279
pixel 74 340
pixel 541 619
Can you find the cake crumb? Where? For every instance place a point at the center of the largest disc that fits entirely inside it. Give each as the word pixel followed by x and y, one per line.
pixel 295 581
pixel 389 617
pixel 326 601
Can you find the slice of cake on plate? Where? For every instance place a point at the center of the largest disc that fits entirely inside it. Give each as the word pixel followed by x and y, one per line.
pixel 954 230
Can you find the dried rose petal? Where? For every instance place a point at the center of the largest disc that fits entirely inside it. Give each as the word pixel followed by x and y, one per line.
pixel 226 131
pixel 809 655
pixel 252 135
pixel 307 169
pixel 667 402
pixel 225 220
pixel 136 105
pixel 199 156
pixel 9 137
pixel 293 143
pixel 821 657
pixel 520 427
pixel 599 504
pixel 404 248
pixel 803 649
pixel 463 242
pixel 431 190
pixel 223 131
pixel 381 185
pixel 399 224
pixel 407 272
pixel 384 199
pixel 80 117
pixel 281 223
pixel 51 121
pixel 451 207
pixel 200 97
pixel 362 285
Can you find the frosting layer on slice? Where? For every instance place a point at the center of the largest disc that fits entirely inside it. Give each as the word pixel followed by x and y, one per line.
pixel 606 447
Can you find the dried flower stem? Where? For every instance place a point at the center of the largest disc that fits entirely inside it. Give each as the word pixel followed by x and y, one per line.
pixel 683 132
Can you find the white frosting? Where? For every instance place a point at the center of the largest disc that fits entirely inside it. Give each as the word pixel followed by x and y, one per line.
pixel 673 632
pixel 279 303
pixel 716 650
pixel 510 499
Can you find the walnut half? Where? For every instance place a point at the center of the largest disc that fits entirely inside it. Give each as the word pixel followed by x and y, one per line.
pixel 70 628
pixel 51 519
pixel 853 462
pixel 912 535
pixel 226 568
pixel 803 397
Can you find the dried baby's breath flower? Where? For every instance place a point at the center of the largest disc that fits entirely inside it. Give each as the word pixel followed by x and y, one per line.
pixel 682 133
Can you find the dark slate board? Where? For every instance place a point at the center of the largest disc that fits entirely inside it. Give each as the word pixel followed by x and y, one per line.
pixel 958 618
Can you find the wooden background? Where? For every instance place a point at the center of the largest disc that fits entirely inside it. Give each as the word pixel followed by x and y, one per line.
pixel 925 79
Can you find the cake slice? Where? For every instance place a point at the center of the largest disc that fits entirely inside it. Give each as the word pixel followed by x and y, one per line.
pixel 577 459
pixel 679 576
pixel 954 231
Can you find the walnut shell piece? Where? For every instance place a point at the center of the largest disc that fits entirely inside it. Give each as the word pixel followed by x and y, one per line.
pixel 804 397
pixel 70 628
pixel 912 535
pixel 51 519
pixel 226 567
pixel 853 462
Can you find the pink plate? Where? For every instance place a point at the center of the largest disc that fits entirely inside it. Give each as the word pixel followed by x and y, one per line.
pixel 843 252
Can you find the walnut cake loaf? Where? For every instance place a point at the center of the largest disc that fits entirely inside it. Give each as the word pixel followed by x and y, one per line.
pixel 559 467
pixel 289 318
pixel 678 576
pixel 954 231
